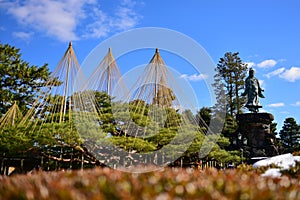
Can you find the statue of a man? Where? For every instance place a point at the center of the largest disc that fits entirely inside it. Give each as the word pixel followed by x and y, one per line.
pixel 253 91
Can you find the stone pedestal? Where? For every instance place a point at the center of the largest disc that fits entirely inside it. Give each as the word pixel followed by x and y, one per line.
pixel 255 135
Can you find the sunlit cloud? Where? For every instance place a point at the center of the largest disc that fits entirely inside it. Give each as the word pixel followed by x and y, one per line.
pixel 72 19
pixel 275 72
pixel 267 63
pixel 250 64
pixel 194 77
pixel 291 74
pixel 26 36
pixel 56 19
pixel 282 60
pixel 123 18
pixel 281 104
pixel 264 64
pixel 285 112
pixel 297 103
pixel 262 83
pixel 263 110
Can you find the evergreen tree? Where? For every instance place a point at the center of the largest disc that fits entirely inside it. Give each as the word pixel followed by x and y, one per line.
pixel 205 115
pixel 290 135
pixel 273 128
pixel 228 83
pixel 230 127
pixel 219 90
pixel 231 71
pixel 19 80
pixel 189 116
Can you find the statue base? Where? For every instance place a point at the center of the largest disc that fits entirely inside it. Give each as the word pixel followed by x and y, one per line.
pixel 253 108
pixel 254 135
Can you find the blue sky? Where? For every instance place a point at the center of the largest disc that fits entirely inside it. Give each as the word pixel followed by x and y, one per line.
pixel 265 33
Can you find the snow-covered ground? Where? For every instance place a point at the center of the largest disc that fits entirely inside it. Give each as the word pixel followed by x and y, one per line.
pixel 284 161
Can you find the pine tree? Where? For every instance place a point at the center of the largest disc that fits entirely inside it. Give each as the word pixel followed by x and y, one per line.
pixel 290 135
pixel 205 115
pixel 273 128
pixel 231 71
pixel 219 91
pixel 19 80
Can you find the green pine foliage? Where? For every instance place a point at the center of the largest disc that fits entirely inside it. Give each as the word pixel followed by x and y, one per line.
pixel 22 140
pixel 154 127
pixel 19 81
pixel 230 75
pixel 290 135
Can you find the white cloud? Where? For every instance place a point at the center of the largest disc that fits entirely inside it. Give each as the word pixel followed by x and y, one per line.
pixel 296 104
pixel 99 27
pixel 58 19
pixel 26 36
pixel 282 60
pixel 275 72
pixel 250 64
pixel 267 63
pixel 276 104
pixel 126 17
pixel 291 74
pixel 72 19
pixel 285 112
pixel 264 64
pixel 194 77
pixel 262 83
pixel 123 18
pixel 263 110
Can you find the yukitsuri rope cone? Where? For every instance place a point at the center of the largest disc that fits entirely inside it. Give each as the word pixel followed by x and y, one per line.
pixel 11 117
pixel 50 120
pixel 105 83
pixel 106 77
pixel 55 102
pixel 157 91
pixel 94 118
pixel 151 108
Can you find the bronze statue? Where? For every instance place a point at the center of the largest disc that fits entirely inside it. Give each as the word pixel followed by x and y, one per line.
pixel 253 92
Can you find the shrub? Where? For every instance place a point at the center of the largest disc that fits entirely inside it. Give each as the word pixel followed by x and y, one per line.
pixel 168 183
